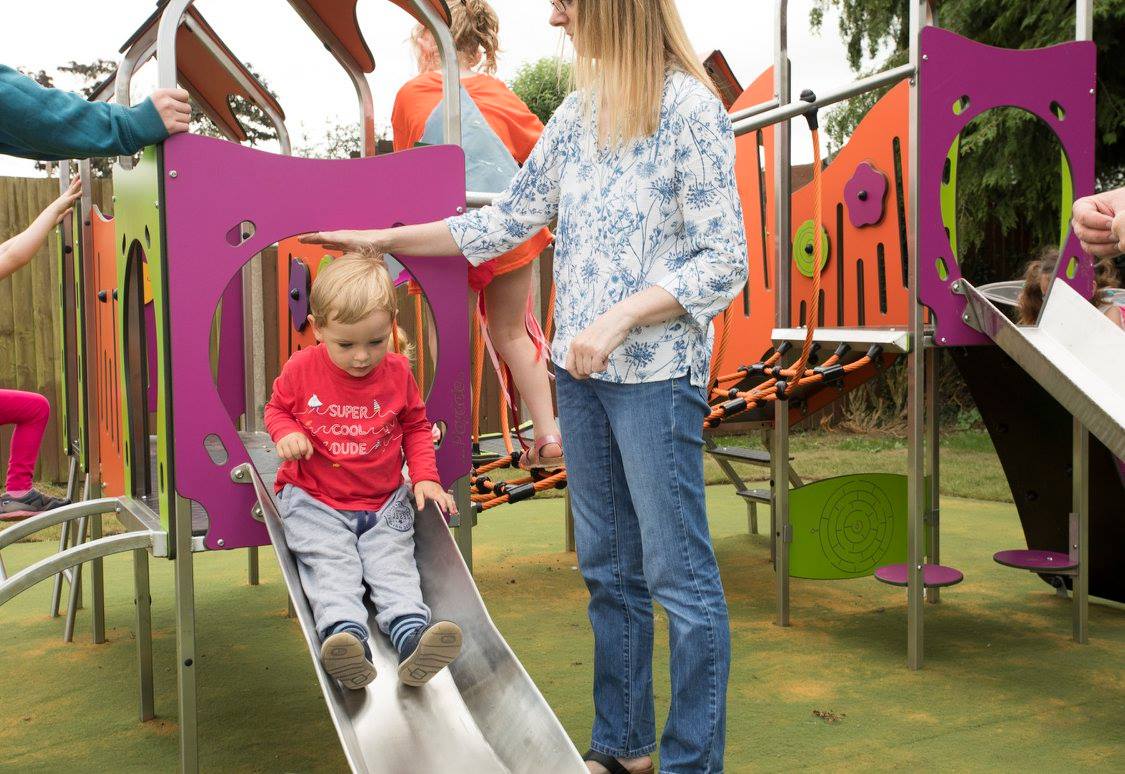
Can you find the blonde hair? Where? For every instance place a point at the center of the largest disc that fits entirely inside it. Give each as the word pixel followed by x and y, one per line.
pixel 624 50
pixel 352 288
pixel 476 35
pixel 1030 302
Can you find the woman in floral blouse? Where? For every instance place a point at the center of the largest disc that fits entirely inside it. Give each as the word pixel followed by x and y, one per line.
pixel 638 167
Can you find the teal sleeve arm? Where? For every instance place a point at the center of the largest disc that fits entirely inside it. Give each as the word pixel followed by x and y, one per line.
pixel 50 125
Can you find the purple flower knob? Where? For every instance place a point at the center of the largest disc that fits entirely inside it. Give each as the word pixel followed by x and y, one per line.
pixel 865 194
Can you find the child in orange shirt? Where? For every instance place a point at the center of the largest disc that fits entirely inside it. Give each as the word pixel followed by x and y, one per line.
pixel 505 136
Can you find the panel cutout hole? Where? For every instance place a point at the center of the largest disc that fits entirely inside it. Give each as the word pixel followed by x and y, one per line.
pixel 1058 111
pixel 942 269
pixel 1072 267
pixel 439 430
pixel 241 233
pixel 148 238
pixel 961 105
pixel 216 450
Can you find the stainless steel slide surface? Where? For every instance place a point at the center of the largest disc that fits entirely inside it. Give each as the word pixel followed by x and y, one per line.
pixel 1075 352
pixel 482 714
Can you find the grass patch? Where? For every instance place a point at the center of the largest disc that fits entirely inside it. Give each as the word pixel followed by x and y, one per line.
pixel 1004 687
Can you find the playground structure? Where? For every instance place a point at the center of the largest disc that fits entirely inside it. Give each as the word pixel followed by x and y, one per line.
pixel 199 478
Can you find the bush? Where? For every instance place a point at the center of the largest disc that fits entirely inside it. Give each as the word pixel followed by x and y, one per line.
pixel 543 85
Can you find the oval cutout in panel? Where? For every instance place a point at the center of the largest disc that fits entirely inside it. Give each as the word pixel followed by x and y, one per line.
pixel 239 234
pixel 438 431
pixel 216 450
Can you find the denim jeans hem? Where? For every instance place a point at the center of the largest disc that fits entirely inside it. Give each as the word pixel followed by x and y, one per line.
pixel 618 753
pixel 670 771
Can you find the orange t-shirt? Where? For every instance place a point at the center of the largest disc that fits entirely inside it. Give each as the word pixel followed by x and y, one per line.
pixel 516 126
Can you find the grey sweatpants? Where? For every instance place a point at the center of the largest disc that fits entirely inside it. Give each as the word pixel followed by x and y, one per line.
pixel 337 551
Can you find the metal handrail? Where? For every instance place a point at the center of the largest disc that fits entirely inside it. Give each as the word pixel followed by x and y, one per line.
pixel 72 557
pixel 798 108
pixel 58 516
pixel 451 80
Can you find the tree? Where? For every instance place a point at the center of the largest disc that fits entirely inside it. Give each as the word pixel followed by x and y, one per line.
pixel 1008 180
pixel 253 119
pixel 543 85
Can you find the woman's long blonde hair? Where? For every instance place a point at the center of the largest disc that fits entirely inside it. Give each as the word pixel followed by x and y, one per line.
pixel 624 49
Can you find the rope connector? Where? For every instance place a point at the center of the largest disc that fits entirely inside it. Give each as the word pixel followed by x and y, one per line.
pixel 812 115
pixel 782 386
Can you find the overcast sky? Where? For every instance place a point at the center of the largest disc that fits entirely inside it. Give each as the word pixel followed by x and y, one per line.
pixel 313 89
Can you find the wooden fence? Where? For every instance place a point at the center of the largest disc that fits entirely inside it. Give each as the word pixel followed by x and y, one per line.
pixel 29 318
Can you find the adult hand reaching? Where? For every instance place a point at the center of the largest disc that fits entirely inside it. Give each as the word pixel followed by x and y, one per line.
pixel 1098 224
pixel 348 241
pixel 174 109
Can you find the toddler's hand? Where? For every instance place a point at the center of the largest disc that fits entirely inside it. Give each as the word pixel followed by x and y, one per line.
pixel 295 446
pixel 432 491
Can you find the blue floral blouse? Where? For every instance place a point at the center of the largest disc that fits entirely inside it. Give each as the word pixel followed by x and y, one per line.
pixel 663 210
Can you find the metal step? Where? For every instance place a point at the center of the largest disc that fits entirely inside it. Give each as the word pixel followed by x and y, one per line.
pixel 742 454
pixel 754 495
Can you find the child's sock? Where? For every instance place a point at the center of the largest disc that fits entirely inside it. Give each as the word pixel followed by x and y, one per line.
pixel 351 627
pixel 403 630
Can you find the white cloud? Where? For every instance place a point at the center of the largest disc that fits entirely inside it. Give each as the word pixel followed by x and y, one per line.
pixel 313 89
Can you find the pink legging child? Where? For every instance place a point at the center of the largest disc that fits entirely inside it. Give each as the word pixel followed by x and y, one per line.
pixel 29 412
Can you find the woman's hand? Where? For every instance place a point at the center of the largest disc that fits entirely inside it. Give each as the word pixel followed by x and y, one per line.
pixel 590 350
pixel 295 446
pixel 60 207
pixel 1096 222
pixel 353 241
pixel 432 491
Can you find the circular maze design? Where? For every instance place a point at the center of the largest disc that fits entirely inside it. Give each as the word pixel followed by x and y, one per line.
pixel 856 527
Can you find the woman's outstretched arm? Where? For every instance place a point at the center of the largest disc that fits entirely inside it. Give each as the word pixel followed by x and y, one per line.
pixel 424 239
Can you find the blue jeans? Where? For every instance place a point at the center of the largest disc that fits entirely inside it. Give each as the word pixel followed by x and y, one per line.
pixel 635 467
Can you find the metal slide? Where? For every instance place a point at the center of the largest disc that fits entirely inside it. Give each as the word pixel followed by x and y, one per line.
pixel 482 714
pixel 1075 352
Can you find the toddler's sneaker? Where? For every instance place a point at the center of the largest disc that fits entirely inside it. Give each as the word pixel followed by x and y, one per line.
pixel 344 656
pixel 34 502
pixel 428 651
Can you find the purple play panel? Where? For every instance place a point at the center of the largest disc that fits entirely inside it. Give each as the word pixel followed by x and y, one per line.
pixel 954 67
pixel 217 185
pixel 1027 559
pixel 933 575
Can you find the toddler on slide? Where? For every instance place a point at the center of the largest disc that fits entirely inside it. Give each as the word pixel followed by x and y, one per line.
pixel 344 415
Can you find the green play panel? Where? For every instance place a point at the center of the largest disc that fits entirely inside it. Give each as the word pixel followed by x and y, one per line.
pixel 848 526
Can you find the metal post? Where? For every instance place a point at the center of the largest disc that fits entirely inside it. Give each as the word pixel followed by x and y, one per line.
pixel 97 586
pixel 142 600
pixel 1084 20
pixel 463 532
pixel 1080 542
pixel 916 371
pixel 779 448
pixel 185 638
pixel 933 462
pixel 75 583
pixel 253 575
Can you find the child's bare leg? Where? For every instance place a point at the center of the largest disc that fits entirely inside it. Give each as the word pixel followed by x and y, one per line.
pixel 505 303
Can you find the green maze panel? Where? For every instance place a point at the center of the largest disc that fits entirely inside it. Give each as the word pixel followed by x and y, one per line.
pixel 847 527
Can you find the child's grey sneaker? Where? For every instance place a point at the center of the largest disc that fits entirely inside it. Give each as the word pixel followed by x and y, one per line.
pixel 343 657
pixel 429 651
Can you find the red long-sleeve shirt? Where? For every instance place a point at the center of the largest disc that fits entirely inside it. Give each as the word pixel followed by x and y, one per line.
pixel 360 428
